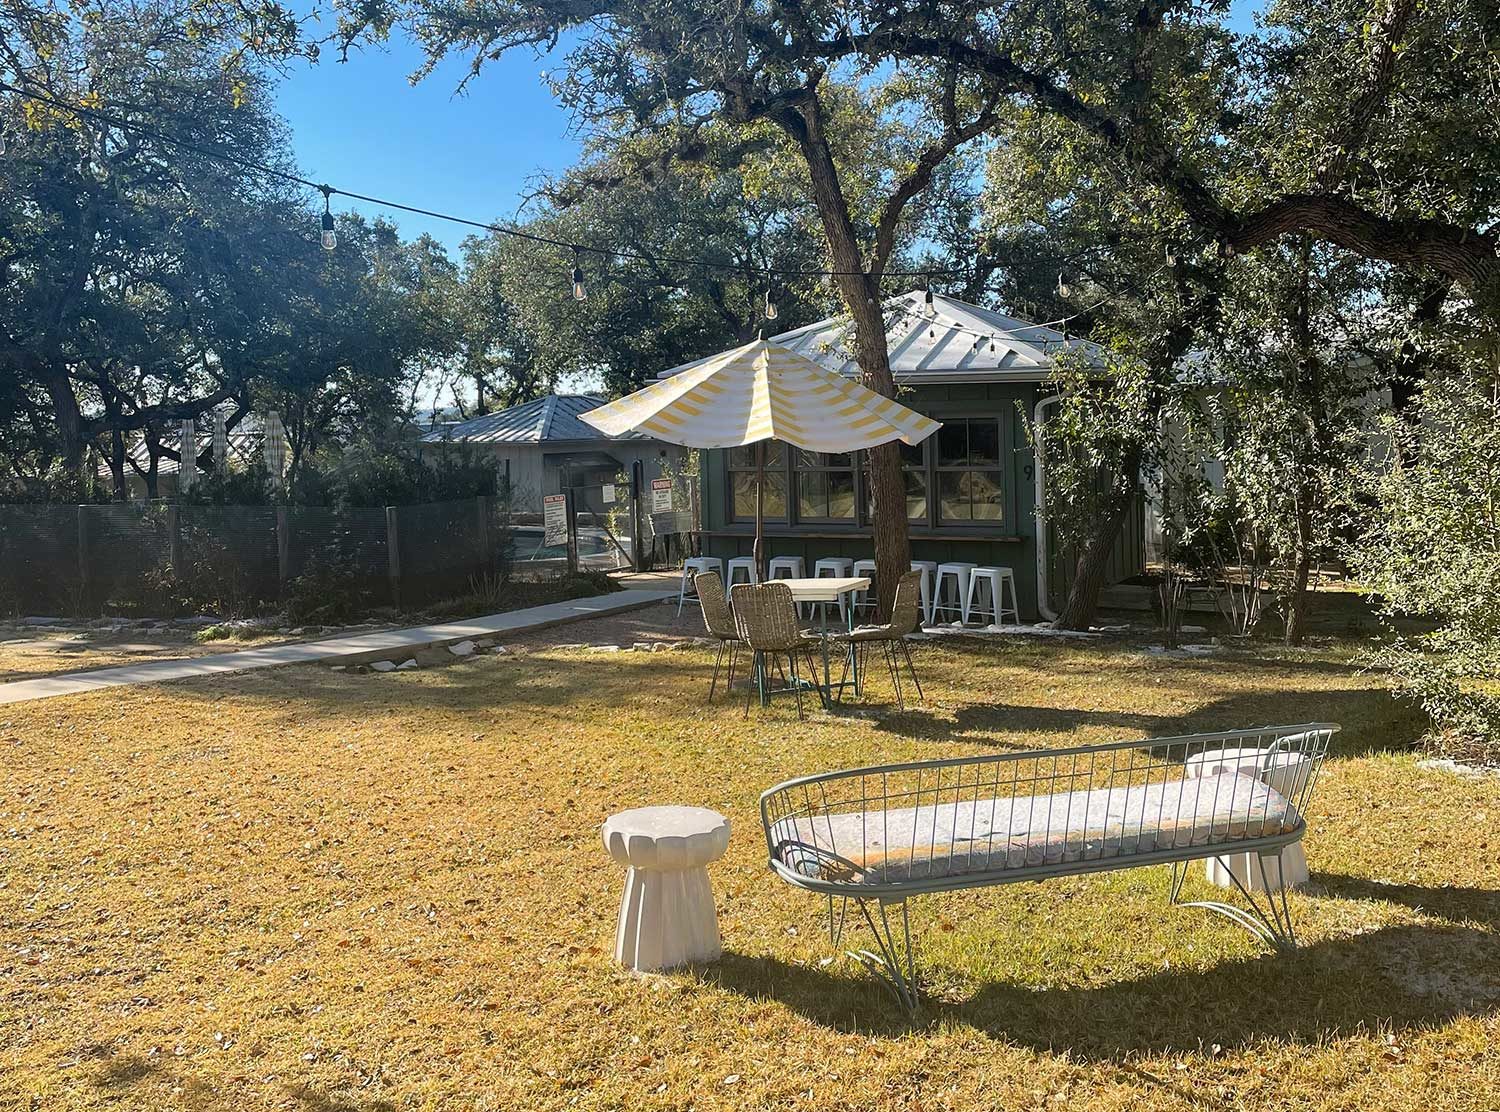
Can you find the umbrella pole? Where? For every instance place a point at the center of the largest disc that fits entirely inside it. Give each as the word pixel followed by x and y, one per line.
pixel 758 552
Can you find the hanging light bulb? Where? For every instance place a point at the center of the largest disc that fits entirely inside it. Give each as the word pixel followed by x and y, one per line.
pixel 1171 256
pixel 330 237
pixel 927 290
pixel 771 311
pixel 1063 289
pixel 2 142
pixel 579 293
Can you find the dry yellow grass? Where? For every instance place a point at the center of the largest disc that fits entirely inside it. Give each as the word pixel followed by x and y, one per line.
pixel 306 890
pixel 29 657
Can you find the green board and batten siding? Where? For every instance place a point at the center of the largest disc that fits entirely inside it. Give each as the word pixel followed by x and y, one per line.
pixel 1009 543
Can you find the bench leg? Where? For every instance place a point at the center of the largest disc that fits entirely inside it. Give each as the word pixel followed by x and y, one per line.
pixel 892 960
pixel 1271 923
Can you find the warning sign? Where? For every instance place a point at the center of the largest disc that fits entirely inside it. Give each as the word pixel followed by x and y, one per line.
pixel 661 496
pixel 555 519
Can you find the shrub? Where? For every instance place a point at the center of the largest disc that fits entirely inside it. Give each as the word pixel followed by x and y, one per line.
pixel 1433 551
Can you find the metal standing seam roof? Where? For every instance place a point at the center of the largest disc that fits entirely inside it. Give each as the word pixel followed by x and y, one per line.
pixel 553 419
pixel 953 341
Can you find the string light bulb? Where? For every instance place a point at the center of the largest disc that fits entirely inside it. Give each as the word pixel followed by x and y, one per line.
pixel 771 310
pixel 1171 256
pixel 579 293
pixel 330 237
pixel 1063 289
pixel 927 290
pixel 2 142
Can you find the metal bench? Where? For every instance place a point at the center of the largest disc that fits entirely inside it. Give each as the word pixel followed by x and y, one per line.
pixel 879 835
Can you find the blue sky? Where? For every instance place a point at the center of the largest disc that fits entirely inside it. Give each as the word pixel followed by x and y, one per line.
pixel 361 126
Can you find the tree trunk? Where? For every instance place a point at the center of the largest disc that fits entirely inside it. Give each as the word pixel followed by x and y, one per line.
pixel 1082 603
pixel 1299 598
pixel 860 288
pixel 117 465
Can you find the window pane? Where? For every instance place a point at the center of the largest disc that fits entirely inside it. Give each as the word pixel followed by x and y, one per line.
pixel 984 442
pixel 812 494
pixel 916 495
pixel 953 499
pixel 971 496
pixel 841 495
pixel 913 455
pixel 821 459
pixel 742 457
pixel 986 495
pixel 953 443
pixel 744 494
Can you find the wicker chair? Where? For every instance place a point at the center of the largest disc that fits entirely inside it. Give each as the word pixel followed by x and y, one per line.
pixel 719 619
pixel 765 618
pixel 906 617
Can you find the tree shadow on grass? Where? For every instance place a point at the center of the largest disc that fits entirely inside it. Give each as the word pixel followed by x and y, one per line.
pixel 1452 902
pixel 119 1074
pixel 981 723
pixel 1408 977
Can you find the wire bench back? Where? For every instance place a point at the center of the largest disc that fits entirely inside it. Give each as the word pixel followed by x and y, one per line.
pixel 969 821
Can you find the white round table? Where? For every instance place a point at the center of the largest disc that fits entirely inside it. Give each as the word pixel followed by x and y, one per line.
pixel 1286 773
pixel 667 915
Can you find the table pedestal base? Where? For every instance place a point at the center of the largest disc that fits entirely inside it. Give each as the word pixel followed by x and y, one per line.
pixel 1245 867
pixel 667 919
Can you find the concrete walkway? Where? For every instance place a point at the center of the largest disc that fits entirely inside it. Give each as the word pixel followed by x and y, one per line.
pixel 357 649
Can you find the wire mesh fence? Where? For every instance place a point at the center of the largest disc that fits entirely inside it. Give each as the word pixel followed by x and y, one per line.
pixel 156 558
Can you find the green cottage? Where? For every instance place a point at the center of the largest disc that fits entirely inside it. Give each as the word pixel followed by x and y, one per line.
pixel 971 489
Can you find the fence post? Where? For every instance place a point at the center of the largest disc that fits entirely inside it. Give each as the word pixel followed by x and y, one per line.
pixel 393 555
pixel 482 506
pixel 83 557
pixel 283 545
pixel 572 515
pixel 637 554
pixel 174 541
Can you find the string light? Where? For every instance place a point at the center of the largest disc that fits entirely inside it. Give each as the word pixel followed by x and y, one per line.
pixel 1063 289
pixel 771 311
pixel 579 293
pixel 330 237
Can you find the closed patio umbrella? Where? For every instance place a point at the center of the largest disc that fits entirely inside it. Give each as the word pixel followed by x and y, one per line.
pixel 275 447
pixel 761 392
pixel 187 456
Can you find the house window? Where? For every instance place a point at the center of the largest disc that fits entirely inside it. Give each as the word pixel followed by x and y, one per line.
pixel 913 475
pixel 825 486
pixel 742 481
pixel 970 487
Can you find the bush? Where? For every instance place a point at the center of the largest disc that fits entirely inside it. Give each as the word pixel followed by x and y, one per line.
pixel 1433 551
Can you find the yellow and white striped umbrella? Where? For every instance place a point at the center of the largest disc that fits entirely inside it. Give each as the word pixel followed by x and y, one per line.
pixel 762 391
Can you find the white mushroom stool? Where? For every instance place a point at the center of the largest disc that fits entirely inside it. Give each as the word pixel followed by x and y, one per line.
pixel 667 915
pixel 691 567
pixel 741 570
pixel 1286 773
pixel 864 601
pixel 928 568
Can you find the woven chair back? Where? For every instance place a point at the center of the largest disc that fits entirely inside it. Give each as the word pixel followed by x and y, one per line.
pixel 766 617
pixel 716 613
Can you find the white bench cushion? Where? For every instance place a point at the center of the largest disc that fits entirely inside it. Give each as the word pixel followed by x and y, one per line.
pixel 933 841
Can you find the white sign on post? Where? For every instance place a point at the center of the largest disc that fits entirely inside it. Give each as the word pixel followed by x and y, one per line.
pixel 555 519
pixel 609 494
pixel 661 496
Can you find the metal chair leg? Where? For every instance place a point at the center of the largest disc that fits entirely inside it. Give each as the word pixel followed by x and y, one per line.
pixel 912 668
pixel 714 683
pixel 791 659
pixel 895 670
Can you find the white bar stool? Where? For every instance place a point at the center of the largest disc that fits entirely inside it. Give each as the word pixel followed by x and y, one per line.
pixel 997 579
pixel 745 564
pixel 957 573
pixel 865 600
pixel 835 567
pixel 928 568
pixel 786 567
pixel 691 567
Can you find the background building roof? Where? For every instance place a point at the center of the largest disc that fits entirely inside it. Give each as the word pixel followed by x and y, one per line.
pixel 552 419
pixel 952 341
